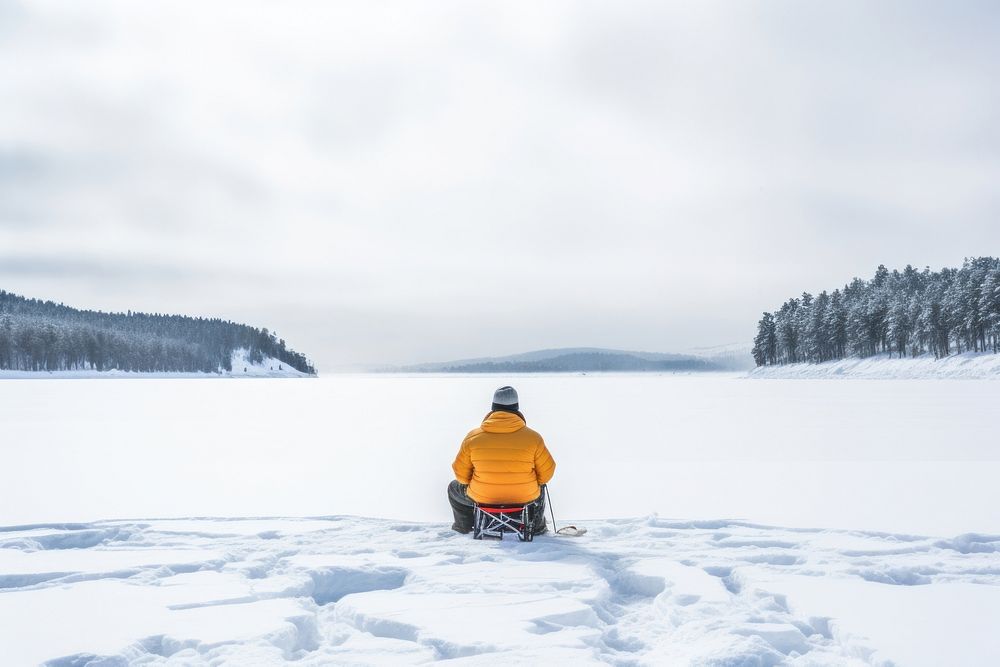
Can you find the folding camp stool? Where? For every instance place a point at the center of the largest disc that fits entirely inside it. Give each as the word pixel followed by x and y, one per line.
pixel 495 520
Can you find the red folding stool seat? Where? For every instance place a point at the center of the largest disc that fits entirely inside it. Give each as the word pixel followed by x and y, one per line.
pixel 495 520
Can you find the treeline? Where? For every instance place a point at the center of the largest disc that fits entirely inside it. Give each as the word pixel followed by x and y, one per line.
pixel 902 313
pixel 585 362
pixel 45 336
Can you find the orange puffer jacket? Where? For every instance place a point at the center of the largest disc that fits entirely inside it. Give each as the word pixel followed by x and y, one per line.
pixel 503 461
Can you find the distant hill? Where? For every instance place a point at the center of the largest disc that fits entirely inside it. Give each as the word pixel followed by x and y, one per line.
pixel 46 336
pixel 579 359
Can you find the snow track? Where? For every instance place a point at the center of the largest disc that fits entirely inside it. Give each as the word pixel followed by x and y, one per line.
pixel 368 591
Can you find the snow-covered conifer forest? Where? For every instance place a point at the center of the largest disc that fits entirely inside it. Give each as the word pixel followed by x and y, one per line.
pixel 46 336
pixel 900 313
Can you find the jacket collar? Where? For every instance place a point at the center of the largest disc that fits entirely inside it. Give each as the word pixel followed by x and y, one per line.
pixel 500 421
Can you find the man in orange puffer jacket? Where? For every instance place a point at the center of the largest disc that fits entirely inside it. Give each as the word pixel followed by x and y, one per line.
pixel 501 462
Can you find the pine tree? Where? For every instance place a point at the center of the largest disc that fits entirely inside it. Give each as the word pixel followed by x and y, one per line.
pixel 765 346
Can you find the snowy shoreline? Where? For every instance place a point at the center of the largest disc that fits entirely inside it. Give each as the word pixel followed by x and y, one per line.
pixel 129 375
pixel 966 366
pixel 242 368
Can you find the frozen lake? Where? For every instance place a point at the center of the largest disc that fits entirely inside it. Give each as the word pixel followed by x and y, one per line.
pixel 916 456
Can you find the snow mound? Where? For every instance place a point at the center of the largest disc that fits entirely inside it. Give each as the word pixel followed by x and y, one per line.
pixel 268 367
pixel 345 590
pixel 971 365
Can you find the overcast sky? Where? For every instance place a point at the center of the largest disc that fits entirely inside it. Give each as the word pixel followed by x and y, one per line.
pixel 396 182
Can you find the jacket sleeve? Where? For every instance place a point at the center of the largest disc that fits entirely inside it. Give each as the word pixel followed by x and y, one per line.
pixel 463 464
pixel 545 465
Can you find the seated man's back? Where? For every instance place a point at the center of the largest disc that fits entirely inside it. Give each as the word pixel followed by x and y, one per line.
pixel 502 462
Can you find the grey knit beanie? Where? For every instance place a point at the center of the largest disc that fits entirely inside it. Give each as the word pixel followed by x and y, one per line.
pixel 505 398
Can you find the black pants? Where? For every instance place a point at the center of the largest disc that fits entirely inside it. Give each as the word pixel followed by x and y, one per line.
pixel 462 506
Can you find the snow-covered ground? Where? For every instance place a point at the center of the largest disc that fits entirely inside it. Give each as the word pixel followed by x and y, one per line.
pixel 969 365
pixel 242 367
pixel 887 492
pixel 343 590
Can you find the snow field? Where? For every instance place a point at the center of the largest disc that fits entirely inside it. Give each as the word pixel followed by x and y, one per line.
pixel 891 554
pixel 905 456
pixel 372 591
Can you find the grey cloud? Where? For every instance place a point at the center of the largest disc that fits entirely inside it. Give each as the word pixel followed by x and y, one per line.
pixel 113 270
pixel 20 165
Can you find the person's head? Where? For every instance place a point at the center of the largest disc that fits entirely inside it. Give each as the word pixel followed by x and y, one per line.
pixel 505 399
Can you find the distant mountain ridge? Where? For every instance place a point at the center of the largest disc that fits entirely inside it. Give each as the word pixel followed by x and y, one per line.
pixel 40 335
pixel 574 359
